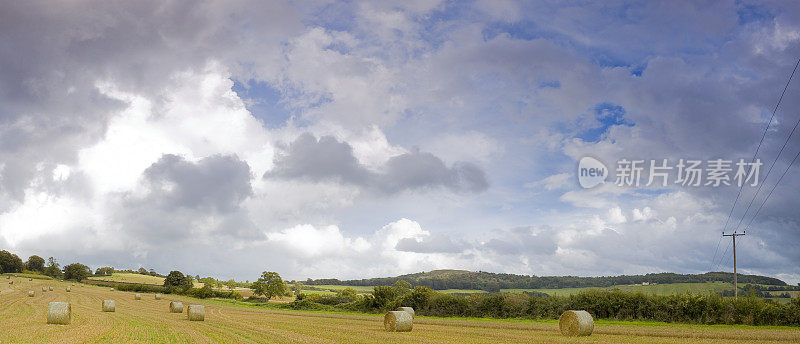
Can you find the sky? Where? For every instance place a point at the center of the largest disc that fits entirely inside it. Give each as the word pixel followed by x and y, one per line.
pixel 366 139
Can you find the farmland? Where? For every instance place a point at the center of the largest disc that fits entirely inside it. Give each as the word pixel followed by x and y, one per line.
pixel 135 278
pixel 657 289
pixel 131 278
pixel 22 320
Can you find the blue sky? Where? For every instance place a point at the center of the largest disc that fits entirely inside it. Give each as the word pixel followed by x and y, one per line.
pixel 311 139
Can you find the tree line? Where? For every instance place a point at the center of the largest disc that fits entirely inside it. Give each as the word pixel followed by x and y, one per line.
pixel 602 304
pixel 493 282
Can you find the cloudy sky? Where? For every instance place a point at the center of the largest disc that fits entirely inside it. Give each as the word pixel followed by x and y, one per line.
pixel 367 139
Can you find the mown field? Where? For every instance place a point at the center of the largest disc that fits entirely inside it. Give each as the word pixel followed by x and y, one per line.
pixel 135 278
pixel 23 320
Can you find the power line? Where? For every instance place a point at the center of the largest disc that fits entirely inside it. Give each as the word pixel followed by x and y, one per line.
pixel 717 264
pixel 760 142
pixel 788 138
pixel 715 253
pixel 722 257
pixel 773 189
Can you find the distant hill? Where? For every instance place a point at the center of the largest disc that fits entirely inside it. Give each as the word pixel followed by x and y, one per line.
pixel 493 282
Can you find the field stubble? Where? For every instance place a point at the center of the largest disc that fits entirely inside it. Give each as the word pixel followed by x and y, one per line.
pixel 23 320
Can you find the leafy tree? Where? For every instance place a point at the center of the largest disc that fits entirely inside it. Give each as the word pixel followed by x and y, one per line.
pixel 104 271
pixel 177 279
pixel 142 271
pixel 10 262
pixel 402 288
pixel 153 272
pixel 77 272
pixel 35 263
pixel 383 296
pixel 52 269
pixel 297 288
pixel 270 285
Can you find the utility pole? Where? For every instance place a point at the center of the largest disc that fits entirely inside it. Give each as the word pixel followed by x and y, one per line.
pixel 735 282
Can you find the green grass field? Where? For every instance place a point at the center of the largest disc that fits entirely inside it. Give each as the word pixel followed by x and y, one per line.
pixel 341 287
pixel 24 275
pixel 658 289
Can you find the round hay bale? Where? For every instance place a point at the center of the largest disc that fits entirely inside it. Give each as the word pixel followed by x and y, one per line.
pixel 175 307
pixel 44 289
pixel 196 313
pixel 158 296
pixel 59 313
pixel 112 289
pixel 51 288
pixel 410 310
pixel 68 289
pixel 397 321
pixel 8 277
pixel 10 282
pixel 30 279
pixel 137 296
pixel 109 306
pixel 31 293
pixel 576 323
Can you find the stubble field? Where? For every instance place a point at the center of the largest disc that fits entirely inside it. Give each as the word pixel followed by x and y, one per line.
pixel 23 320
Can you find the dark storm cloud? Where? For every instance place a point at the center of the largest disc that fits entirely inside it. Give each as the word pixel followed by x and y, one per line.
pixel 326 159
pixel 185 197
pixel 329 159
pixel 217 183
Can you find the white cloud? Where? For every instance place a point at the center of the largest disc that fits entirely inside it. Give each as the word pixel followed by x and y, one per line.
pixel 312 242
pixel 554 182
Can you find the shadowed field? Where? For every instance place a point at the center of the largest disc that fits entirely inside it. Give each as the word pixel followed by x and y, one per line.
pixel 23 320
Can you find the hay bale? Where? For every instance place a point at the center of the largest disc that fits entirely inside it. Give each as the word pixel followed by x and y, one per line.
pixel 31 293
pixel 51 288
pixel 175 307
pixel 137 296
pixel 44 289
pixel 196 313
pixel 158 296
pixel 397 321
pixel 68 289
pixel 59 313
pixel 407 309
pixel 109 306
pixel 10 282
pixel 8 277
pixel 112 289
pixel 30 279
pixel 576 323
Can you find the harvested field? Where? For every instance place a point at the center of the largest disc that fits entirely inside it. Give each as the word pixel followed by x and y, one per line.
pixel 23 320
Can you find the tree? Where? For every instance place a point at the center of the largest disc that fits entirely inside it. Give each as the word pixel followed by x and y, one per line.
pixel 142 271
pixel 10 262
pixel 77 272
pixel 177 279
pixel 270 285
pixel 297 288
pixel 52 269
pixel 104 271
pixel 35 263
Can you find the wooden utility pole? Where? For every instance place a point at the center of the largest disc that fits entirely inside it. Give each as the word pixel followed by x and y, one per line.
pixel 735 282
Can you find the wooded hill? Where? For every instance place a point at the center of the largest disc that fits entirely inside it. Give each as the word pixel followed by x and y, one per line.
pixel 493 282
